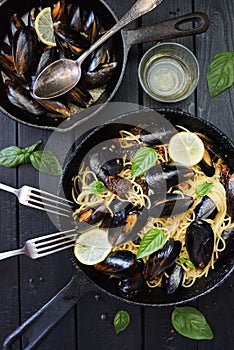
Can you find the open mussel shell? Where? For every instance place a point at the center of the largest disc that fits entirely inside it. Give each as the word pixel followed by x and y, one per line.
pixel 172 204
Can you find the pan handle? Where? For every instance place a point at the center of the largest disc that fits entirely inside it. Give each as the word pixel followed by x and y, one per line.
pixel 168 29
pixel 36 328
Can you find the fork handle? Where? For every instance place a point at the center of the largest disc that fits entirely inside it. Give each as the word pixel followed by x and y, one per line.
pixel 10 253
pixel 8 188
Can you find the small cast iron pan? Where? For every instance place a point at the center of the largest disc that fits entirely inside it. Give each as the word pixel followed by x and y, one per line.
pixel 86 278
pixel 195 23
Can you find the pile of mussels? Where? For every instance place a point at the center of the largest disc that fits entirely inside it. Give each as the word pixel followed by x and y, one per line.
pixel 23 56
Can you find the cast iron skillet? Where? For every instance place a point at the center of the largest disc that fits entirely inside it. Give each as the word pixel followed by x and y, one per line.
pixel 85 278
pixel 174 28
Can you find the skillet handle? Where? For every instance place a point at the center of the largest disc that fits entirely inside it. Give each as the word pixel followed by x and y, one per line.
pixel 169 29
pixel 40 324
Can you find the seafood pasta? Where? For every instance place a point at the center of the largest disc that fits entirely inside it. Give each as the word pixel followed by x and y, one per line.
pixel 167 223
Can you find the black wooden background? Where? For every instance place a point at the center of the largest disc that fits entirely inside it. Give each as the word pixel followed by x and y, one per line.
pixel 26 285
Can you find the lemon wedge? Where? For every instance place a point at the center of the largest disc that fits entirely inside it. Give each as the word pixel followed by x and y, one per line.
pixel 44 27
pixel 186 148
pixel 92 246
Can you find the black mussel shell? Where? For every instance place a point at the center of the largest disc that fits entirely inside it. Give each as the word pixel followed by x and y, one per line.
pixel 174 279
pixel 130 287
pixel 205 209
pixel 200 243
pixel 162 259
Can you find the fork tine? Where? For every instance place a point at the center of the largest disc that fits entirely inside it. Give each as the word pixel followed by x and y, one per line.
pixel 47 209
pixel 40 255
pixel 52 235
pixel 33 200
pixel 58 240
pixel 54 199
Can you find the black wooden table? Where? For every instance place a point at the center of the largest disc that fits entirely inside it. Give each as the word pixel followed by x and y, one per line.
pixel 26 285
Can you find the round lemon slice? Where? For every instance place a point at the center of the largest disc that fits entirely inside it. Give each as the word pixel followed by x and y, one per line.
pixel 92 246
pixel 186 148
pixel 44 27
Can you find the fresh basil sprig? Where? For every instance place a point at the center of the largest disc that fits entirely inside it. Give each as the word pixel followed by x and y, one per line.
pixel 186 262
pixel 143 159
pixel 44 161
pixel 191 323
pixel 97 187
pixel 121 321
pixel 220 73
pixel 152 241
pixel 202 189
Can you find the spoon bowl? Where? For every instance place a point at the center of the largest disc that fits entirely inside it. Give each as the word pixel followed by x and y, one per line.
pixel 62 75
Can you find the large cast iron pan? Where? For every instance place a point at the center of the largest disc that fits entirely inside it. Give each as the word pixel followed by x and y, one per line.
pixel 174 28
pixel 85 278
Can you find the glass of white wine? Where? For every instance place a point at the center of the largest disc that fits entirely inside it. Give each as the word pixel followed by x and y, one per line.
pixel 168 72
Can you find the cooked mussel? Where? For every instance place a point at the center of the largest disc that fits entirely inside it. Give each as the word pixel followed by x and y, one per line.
pixel 230 195
pixel 129 287
pixel 89 217
pixel 158 134
pixel 200 243
pixel 99 77
pixel 20 97
pixel 120 264
pixel 126 222
pixel 207 164
pixel 161 177
pixel 173 278
pixel 172 204
pixel 162 259
pixel 25 49
pixel 206 209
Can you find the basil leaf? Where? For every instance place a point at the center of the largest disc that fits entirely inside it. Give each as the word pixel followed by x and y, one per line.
pixel 31 148
pixel 221 73
pixel 121 321
pixel 191 323
pixel 202 189
pixel 144 159
pixel 46 162
pixel 97 187
pixel 186 262
pixel 13 156
pixel 152 241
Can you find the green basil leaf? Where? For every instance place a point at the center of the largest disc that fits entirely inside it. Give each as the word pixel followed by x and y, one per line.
pixel 191 323
pixel 97 187
pixel 221 73
pixel 186 262
pixel 202 189
pixel 13 156
pixel 121 321
pixel 144 159
pixel 152 241
pixel 46 162
pixel 31 148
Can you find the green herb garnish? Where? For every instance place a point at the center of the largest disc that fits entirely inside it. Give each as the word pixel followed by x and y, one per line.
pixel 202 189
pixel 221 73
pixel 186 262
pixel 144 159
pixel 121 321
pixel 44 161
pixel 97 187
pixel 191 323
pixel 152 241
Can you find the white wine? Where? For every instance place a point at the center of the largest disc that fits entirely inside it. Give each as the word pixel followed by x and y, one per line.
pixel 167 74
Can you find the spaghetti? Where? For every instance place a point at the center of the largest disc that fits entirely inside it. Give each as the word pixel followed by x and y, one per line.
pixel 173 227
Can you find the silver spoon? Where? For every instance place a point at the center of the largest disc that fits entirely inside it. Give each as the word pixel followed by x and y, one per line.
pixel 62 75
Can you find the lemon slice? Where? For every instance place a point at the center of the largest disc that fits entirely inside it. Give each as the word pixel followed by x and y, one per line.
pixel 44 27
pixel 92 246
pixel 186 148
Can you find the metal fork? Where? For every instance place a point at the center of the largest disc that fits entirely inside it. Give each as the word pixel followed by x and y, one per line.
pixel 32 197
pixel 41 246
